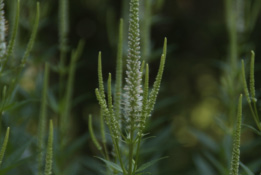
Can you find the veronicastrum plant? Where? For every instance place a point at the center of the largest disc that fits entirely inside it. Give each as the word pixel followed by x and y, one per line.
pixel 126 124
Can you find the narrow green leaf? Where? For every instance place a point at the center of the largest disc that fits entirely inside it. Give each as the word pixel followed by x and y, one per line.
pixel 236 141
pixel 111 165
pixel 95 141
pixel 253 129
pixel 2 152
pixel 49 152
pixel 148 164
pixel 246 169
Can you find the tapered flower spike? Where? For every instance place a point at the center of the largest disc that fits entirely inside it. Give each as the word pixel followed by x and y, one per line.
pixel 236 141
pixel 100 77
pixel 252 77
pixel 118 84
pixel 109 119
pixel 113 122
pixel 2 152
pixel 156 85
pixel 49 151
pixel 102 93
pixel 2 30
pixel 133 89
pixel 103 105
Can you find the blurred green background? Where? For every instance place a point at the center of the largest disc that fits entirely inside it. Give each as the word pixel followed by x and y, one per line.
pixel 190 122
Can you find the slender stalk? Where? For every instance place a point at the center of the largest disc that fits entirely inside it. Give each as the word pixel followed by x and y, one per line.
pixel 63 39
pixel 230 7
pixel 42 120
pixel 69 92
pixel 119 155
pixel 131 148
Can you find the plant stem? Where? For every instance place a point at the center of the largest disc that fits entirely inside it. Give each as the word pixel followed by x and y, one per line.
pixel 119 156
pixel 137 153
pixel 131 148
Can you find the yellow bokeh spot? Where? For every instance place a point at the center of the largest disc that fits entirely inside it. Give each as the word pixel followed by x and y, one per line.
pixel 203 114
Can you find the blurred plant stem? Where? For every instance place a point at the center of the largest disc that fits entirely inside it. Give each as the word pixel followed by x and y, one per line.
pixel 63 41
pixel 231 74
pixel 241 16
pixel 42 120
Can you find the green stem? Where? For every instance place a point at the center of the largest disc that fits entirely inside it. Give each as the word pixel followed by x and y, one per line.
pixel 131 149
pixel 254 116
pixel 137 154
pixel 119 156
